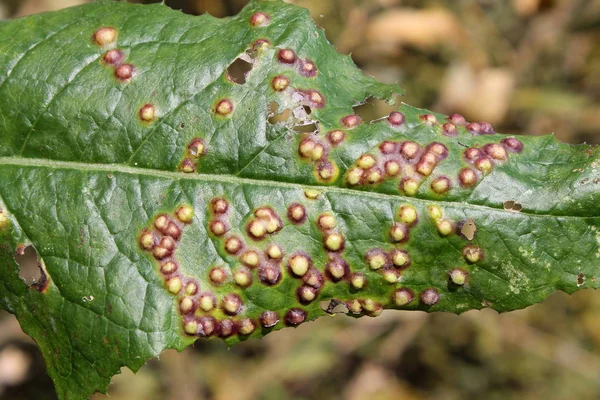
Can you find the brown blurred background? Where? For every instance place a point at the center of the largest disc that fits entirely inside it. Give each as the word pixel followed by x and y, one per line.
pixel 527 66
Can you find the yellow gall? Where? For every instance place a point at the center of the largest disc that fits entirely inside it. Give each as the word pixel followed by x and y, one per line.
pixel 311 194
pixel 191 288
pixel 376 259
pixel 250 258
pixel 147 113
pixel 299 264
pixel 467 177
pixel 257 229
pixel 217 276
pixel 206 302
pixel 105 36
pixel 245 326
pixel 186 305
pixel 484 164
pixel 336 137
pixel 232 304
pixel 458 276
pixel 358 280
pixel 398 232
pixel 219 206
pixel 274 252
pixel 472 254
pixel 185 214
pixel 375 176
pixel 224 107
pixel 242 278
pixel 233 245
pixel 390 275
pixel 407 213
pixel 409 149
pixel 146 240
pixel 326 221
pixel 355 176
pixel 168 268
pixel 366 161
pixel 435 212
pixel 496 151
pixel 280 83
pixel 441 185
pixel 445 227
pixel 403 297
pixel 392 168
pixel 297 213
pixel 410 186
pixel 196 148
pixel 191 327
pixel 218 228
pixel 334 242
pixel 354 306
pixel 174 285
pixel 400 258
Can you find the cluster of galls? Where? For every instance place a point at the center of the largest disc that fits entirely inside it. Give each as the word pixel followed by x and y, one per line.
pixel 115 58
pixel 485 158
pixel 407 161
pixel 194 151
pixel 107 37
pixel 265 222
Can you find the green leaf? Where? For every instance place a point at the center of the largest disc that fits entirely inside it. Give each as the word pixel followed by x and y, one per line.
pixel 165 204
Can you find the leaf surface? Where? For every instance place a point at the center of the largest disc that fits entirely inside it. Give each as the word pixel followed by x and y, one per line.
pixel 167 202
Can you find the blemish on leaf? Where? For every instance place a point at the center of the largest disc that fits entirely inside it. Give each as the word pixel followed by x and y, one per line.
pixel 428 119
pixel 336 268
pixel 376 259
pixel 358 280
pixel 274 252
pixel 147 113
pixel 441 185
pixel 449 130
pixel 219 205
pixel 188 166
pixel 407 214
pixel 269 274
pixel 399 232
pixel 496 151
pixel 409 150
pixel 400 258
pixel 299 264
pixel 218 228
pixel 334 242
pixel 306 294
pixel 185 214
pixel 250 258
pixel 336 137
pixel 457 119
pixel 226 328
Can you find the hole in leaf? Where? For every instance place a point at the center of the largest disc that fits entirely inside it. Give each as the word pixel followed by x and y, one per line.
pixel 237 71
pixel 580 279
pixel 512 206
pixel 306 128
pixel 29 268
pixel 468 229
pixel 334 306
pixel 275 117
pixel 308 110
pixel 373 109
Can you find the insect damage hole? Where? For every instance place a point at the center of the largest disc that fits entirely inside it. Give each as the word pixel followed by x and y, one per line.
pixel 333 307
pixel 30 268
pixel 306 128
pixel 238 70
pixel 275 117
pixel 373 109
pixel 468 229
pixel 511 205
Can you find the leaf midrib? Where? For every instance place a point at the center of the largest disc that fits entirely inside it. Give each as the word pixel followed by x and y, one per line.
pixel 217 178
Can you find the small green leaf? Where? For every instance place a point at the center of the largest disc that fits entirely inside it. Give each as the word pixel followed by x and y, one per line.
pixel 166 204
